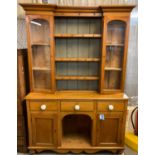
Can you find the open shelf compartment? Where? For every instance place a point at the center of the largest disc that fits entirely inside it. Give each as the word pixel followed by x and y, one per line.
pixel 78 27
pixel 76 131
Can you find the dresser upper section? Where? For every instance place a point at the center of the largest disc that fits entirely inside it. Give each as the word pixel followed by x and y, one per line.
pixel 77 48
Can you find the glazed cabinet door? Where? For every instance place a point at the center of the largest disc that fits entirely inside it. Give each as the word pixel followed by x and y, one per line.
pixel 40 52
pixel 114 52
pixel 44 129
pixel 109 128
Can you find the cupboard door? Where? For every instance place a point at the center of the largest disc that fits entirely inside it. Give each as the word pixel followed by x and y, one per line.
pixel 109 128
pixel 115 43
pixel 40 45
pixel 114 52
pixel 44 129
pixel 41 52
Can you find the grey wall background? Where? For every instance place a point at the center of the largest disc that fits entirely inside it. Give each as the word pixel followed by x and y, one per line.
pixel 131 85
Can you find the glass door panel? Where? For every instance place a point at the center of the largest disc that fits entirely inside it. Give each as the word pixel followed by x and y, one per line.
pixel 116 32
pixel 112 80
pixel 114 54
pixel 40 45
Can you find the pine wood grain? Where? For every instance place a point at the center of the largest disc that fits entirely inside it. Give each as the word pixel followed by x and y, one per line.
pixel 78 59
pixel 86 95
pixel 76 78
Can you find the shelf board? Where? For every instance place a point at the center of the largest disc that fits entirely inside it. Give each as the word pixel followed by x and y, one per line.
pixel 78 35
pixel 77 77
pixel 113 69
pixel 76 140
pixel 42 90
pixel 41 68
pixel 77 59
pixel 40 44
pixel 111 90
pixel 115 44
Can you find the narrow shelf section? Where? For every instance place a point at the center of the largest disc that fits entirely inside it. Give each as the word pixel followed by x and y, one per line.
pixel 77 59
pixel 78 35
pixel 77 78
pixel 113 69
pixel 40 44
pixel 41 68
pixel 114 44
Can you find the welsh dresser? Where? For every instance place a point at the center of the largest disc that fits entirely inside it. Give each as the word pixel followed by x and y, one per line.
pixel 77 66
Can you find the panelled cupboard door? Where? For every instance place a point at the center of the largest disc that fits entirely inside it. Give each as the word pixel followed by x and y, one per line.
pixel 40 44
pixel 109 129
pixel 44 129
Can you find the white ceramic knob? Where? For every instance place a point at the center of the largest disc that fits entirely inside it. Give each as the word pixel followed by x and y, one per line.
pixel 43 107
pixel 77 107
pixel 111 107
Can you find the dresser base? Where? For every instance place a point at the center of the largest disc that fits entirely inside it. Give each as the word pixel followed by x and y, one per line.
pixel 114 150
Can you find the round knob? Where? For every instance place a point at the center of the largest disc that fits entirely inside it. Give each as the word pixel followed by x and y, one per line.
pixel 111 107
pixel 77 107
pixel 43 107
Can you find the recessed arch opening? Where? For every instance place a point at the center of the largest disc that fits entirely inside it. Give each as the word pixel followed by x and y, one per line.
pixel 76 130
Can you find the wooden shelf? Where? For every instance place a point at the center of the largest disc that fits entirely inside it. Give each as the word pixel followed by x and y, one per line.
pixel 78 35
pixel 114 44
pixel 77 78
pixel 77 59
pixel 40 44
pixel 113 69
pixel 111 90
pixel 75 141
pixel 41 68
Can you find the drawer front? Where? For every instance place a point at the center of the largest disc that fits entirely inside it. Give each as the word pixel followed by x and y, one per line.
pixel 110 106
pixel 43 106
pixel 77 106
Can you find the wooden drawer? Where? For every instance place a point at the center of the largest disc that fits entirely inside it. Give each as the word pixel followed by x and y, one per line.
pixel 49 105
pixel 71 106
pixel 104 106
